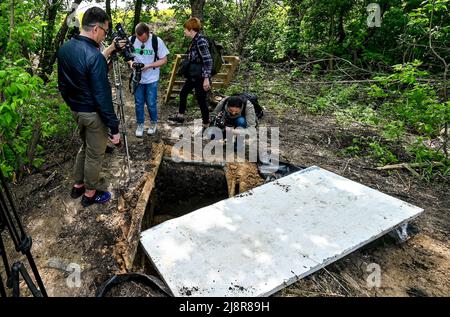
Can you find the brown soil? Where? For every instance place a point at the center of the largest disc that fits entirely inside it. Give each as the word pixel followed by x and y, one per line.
pixel 64 232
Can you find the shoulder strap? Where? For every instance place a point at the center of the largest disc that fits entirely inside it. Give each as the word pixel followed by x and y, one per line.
pixel 133 39
pixel 225 103
pixel 155 46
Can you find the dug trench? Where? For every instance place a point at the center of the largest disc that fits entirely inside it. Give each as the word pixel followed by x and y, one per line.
pixel 179 189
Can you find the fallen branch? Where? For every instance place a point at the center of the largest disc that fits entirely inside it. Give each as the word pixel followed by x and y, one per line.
pixel 408 165
pixel 286 97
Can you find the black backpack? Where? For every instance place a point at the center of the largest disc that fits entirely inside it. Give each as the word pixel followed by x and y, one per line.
pixel 154 45
pixel 247 96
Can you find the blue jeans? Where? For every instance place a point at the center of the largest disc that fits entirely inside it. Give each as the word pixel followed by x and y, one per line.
pixel 239 122
pixel 146 94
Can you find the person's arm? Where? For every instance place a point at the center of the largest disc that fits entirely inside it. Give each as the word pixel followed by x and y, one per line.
pixel 219 106
pixel 110 49
pixel 158 63
pixel 101 91
pixel 250 115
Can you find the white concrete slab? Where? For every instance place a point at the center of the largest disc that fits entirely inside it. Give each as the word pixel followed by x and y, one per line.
pixel 263 240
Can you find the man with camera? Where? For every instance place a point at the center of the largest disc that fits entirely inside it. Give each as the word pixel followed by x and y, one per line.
pixel 150 54
pixel 84 86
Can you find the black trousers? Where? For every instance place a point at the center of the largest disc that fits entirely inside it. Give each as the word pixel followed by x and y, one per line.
pixel 200 94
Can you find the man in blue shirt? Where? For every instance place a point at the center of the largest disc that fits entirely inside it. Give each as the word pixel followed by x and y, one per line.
pixel 84 86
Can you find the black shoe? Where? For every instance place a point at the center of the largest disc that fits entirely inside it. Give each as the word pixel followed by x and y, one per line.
pixel 100 197
pixel 176 119
pixel 109 149
pixel 77 192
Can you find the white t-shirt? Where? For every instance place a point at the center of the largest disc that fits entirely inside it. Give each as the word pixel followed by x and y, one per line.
pixel 148 57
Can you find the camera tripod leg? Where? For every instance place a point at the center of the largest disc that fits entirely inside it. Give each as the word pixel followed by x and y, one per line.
pixel 21 241
pixel 37 277
pixel 5 265
pixel 2 289
pixel 120 108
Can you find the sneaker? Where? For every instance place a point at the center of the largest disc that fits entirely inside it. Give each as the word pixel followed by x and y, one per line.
pixel 176 118
pixel 109 149
pixel 152 129
pixel 140 130
pixel 77 192
pixel 100 197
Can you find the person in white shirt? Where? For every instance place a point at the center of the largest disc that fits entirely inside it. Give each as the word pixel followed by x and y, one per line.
pixel 145 44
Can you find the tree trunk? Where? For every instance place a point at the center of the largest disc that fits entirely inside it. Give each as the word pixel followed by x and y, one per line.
pixel 55 45
pixel 137 13
pixel 108 11
pixel 295 18
pixel 341 31
pixel 197 8
pixel 11 20
pixel 45 64
pixel 331 36
pixel 33 143
pixel 246 24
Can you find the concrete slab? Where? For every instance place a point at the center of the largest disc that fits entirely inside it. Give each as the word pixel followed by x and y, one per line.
pixel 261 241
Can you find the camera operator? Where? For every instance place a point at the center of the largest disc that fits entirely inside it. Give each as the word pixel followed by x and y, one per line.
pixel 84 86
pixel 150 54
pixel 234 112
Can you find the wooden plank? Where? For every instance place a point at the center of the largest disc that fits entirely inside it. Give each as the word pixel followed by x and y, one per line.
pixel 134 233
pixel 261 241
pixel 172 76
pixel 220 80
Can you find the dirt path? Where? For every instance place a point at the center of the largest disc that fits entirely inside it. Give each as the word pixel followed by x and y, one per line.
pixel 68 236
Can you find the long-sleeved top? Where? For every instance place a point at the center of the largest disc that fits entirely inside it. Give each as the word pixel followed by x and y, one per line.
pixel 199 53
pixel 83 80
pixel 250 115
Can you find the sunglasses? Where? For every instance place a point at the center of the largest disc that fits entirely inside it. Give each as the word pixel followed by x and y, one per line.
pixel 106 31
pixel 142 49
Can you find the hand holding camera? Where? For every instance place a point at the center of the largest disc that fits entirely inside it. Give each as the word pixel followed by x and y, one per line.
pixel 136 76
pixel 219 120
pixel 123 44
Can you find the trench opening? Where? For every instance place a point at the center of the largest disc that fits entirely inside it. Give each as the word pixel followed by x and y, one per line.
pixel 181 188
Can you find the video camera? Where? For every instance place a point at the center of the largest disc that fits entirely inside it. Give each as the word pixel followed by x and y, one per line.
pixel 128 50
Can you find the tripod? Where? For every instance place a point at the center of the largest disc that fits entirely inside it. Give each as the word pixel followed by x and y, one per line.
pixel 118 101
pixel 10 219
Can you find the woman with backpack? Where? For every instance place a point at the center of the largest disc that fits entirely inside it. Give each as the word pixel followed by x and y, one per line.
pixel 197 70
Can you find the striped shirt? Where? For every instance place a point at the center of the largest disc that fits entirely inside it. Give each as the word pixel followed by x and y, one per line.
pixel 199 53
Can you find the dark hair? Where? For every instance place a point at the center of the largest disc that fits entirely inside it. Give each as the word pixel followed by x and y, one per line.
pixel 142 28
pixel 193 24
pixel 92 16
pixel 234 101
